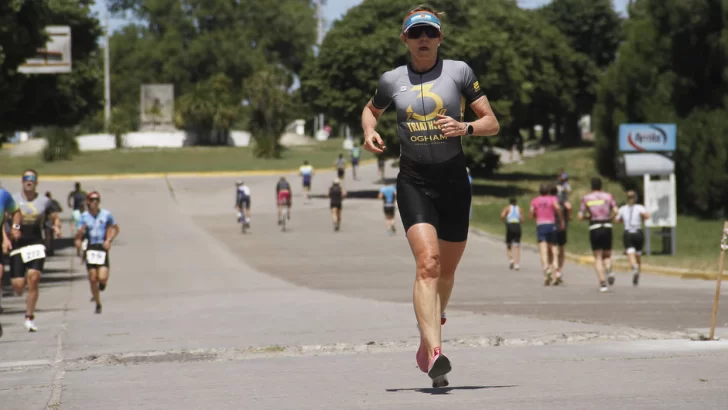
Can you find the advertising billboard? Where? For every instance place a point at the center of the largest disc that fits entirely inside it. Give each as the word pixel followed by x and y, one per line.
pixel 647 137
pixel 55 57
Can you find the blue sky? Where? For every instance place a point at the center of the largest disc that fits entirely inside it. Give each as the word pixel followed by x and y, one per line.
pixel 337 8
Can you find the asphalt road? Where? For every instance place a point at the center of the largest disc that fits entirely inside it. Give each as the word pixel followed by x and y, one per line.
pixel 198 315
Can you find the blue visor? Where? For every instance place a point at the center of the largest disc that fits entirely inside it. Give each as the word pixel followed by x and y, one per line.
pixel 421 18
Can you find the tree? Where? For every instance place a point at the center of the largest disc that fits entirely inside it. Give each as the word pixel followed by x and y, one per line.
pixel 671 68
pixel 21 33
pixel 592 27
pixel 52 99
pixel 524 65
pixel 594 30
pixel 208 111
pixel 269 106
pixel 188 42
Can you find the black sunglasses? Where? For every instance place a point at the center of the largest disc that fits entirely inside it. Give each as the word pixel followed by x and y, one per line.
pixel 416 32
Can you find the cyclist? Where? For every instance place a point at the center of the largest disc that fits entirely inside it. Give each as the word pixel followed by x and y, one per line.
pixel 283 198
pixel 306 172
pixel 242 202
pixel 432 185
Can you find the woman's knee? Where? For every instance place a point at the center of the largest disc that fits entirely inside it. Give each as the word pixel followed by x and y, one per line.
pixel 33 279
pixel 428 266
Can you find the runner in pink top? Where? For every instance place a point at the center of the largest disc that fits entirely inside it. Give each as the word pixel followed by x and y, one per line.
pixel 601 209
pixel 599 206
pixel 544 209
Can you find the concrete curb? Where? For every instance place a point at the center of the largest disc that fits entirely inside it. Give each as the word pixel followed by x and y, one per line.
pixel 161 175
pixel 621 266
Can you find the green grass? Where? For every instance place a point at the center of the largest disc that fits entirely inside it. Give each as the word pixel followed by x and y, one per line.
pixel 188 159
pixel 697 240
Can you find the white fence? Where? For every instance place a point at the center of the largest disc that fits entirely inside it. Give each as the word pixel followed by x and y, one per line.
pixel 151 139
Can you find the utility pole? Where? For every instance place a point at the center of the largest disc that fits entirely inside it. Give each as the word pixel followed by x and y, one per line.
pixel 107 72
pixel 320 21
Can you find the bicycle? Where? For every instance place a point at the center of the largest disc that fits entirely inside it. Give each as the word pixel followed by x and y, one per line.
pixel 243 224
pixel 284 217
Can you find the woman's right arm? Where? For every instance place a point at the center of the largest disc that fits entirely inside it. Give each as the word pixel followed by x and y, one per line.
pixel 373 110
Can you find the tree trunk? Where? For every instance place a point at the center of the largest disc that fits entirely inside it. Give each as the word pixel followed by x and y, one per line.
pixel 546 134
pixel 558 124
pixel 572 134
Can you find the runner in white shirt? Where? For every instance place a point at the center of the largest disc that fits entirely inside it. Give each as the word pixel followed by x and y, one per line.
pixel 633 215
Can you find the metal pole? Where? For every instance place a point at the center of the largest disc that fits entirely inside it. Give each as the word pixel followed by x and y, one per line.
pixel 107 75
pixel 723 247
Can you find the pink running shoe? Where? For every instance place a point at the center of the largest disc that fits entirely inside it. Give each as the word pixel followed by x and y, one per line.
pixel 438 367
pixel 421 357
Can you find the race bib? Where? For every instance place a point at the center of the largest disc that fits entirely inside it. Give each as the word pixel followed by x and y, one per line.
pixel 95 257
pixel 31 253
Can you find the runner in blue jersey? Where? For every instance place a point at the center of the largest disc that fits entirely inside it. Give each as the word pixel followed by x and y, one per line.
pixel 389 195
pixel 433 194
pixel 101 229
pixel 513 217
pixel 10 212
pixel 306 173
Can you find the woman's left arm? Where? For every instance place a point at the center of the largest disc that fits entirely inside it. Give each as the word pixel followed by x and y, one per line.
pixel 486 124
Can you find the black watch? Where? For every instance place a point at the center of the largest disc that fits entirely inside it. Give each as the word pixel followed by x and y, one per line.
pixel 469 130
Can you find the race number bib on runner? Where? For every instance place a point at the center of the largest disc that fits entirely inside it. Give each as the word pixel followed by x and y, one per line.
pixel 96 257
pixel 30 253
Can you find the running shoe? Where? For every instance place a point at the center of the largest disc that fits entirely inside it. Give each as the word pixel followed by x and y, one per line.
pixel 547 277
pixel 30 326
pixel 438 367
pixel 603 287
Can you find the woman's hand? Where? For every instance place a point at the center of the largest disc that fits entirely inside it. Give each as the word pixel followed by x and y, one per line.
pixel 371 141
pixel 450 127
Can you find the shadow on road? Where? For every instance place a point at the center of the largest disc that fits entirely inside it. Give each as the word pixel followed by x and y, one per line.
pixel 519 176
pixel 499 191
pixel 360 194
pixel 446 390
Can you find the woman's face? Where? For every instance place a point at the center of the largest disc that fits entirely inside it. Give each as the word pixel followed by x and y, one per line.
pixel 422 41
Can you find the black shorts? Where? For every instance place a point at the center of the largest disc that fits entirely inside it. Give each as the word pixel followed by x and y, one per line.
pixel 634 240
pixel 513 234
pixel 335 205
pixel 600 236
pixel 244 203
pixel 18 268
pixel 307 183
pixel 436 194
pixel 340 172
pixel 96 247
pixel 561 237
pixel 389 211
